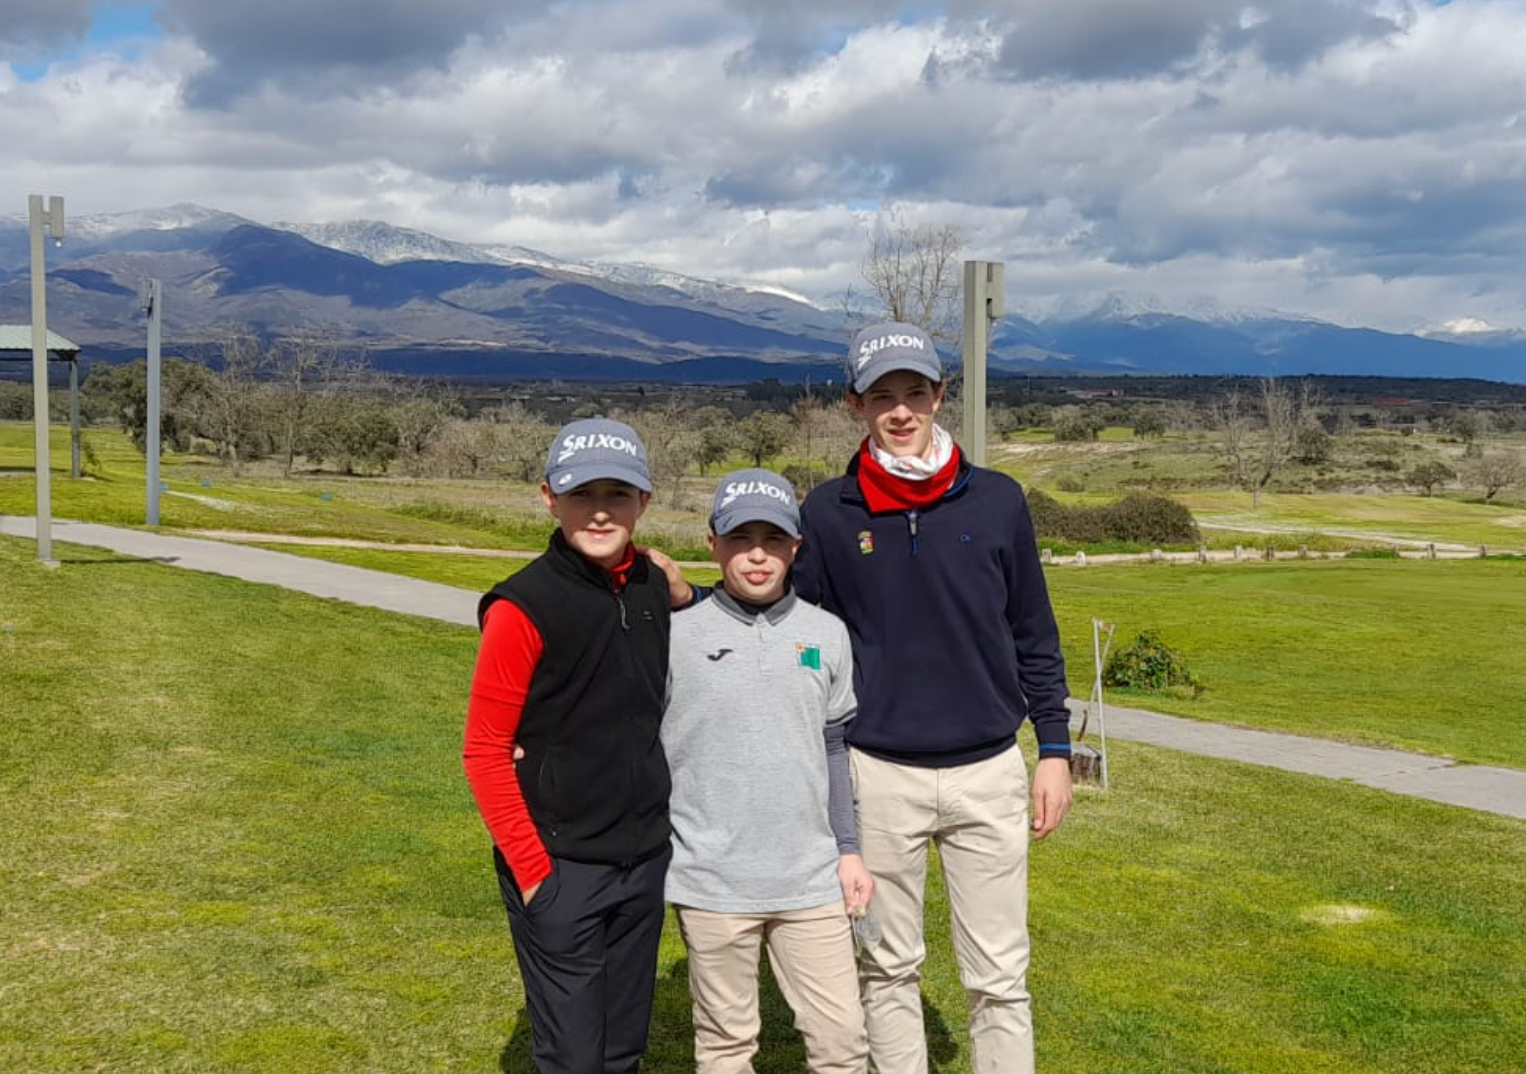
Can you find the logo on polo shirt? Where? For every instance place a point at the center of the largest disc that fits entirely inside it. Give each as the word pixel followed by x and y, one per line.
pixel 866 543
pixel 809 655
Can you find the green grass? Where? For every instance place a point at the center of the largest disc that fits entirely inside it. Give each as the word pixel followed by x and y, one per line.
pixel 239 840
pixel 1417 654
pixel 469 572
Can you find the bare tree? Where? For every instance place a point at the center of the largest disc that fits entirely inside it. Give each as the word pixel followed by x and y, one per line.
pixel 231 409
pixel 1233 421
pixel 1260 440
pixel 913 272
pixel 1494 471
pixel 303 368
pixel 671 443
pixel 521 440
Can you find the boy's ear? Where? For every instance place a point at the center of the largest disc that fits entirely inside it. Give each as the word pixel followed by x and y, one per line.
pixel 711 538
pixel 549 500
pixel 855 403
pixel 646 498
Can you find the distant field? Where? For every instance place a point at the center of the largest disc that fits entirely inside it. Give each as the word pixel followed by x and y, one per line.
pixel 1417 518
pixel 1416 654
pixel 239 841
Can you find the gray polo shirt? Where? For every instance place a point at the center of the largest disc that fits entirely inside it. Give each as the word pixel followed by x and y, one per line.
pixel 750 696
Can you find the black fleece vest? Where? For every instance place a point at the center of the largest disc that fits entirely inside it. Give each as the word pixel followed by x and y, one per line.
pixel 594 775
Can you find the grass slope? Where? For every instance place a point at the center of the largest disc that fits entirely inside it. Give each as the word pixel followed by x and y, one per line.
pixel 239 840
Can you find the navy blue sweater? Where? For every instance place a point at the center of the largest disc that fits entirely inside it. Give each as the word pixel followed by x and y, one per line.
pixel 954 639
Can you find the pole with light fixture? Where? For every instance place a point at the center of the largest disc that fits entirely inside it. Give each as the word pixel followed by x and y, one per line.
pixel 50 220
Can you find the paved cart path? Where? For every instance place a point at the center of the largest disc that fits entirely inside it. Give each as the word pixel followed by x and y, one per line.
pixel 1482 787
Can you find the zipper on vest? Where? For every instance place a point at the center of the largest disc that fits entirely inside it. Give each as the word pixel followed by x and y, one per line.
pixel 911 525
pixel 624 622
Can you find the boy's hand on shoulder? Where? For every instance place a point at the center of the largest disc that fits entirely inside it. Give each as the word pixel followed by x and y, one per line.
pixel 680 593
pixel 1052 792
pixel 857 884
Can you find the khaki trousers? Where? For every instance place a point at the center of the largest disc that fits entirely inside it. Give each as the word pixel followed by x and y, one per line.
pixel 977 814
pixel 811 952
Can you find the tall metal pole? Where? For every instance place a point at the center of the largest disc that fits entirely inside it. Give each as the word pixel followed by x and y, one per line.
pixel 984 302
pixel 151 438
pixel 53 219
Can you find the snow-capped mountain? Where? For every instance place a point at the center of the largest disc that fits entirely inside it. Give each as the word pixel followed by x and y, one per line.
pixel 182 217
pixel 386 244
pixel 418 303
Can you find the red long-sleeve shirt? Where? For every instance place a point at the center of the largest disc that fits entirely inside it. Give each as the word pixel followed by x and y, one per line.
pixel 506 660
pixel 511 647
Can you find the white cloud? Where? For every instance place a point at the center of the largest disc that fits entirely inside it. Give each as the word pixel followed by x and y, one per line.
pixel 1363 162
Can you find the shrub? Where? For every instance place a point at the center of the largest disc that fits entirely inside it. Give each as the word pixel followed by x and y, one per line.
pixel 1139 518
pixel 1149 664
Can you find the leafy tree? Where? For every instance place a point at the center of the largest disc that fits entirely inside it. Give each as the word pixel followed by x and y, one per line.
pixel 120 392
pixel 1427 475
pixel 1468 426
pixel 716 439
pixel 15 401
pixel 1074 424
pixel 355 433
pixel 1149 422
pixel 762 435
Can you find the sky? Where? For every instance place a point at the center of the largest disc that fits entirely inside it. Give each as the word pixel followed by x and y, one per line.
pixel 1361 161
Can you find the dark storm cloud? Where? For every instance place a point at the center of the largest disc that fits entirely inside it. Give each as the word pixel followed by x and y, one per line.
pixel 1101 39
pixel 30 25
pixel 336 46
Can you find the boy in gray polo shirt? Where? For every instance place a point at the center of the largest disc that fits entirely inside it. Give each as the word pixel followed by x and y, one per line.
pixel 765 847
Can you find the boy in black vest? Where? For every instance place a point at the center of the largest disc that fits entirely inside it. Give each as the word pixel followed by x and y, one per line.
pixel 572 668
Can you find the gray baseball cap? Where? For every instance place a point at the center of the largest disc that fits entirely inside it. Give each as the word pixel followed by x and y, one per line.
pixel 754 496
pixel 884 348
pixel 593 449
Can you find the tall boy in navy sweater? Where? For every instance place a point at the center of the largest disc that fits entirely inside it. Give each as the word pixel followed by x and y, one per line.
pixel 573 667
pixel 933 566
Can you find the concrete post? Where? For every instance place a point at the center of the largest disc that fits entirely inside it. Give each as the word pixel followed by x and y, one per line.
pixel 53 220
pixel 984 302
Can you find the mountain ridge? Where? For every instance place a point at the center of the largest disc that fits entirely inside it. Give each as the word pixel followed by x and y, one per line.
pixel 401 295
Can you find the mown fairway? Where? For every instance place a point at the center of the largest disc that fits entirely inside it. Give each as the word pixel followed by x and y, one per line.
pixel 239 840
pixel 1418 654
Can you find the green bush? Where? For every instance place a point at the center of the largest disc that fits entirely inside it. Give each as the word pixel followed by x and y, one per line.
pixel 1149 664
pixel 1138 518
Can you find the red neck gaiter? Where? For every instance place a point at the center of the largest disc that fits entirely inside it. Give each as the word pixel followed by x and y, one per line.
pixel 619 574
pixel 885 491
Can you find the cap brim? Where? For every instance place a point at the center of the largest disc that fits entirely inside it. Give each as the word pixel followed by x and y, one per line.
pixel 728 520
pixel 578 476
pixel 896 365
